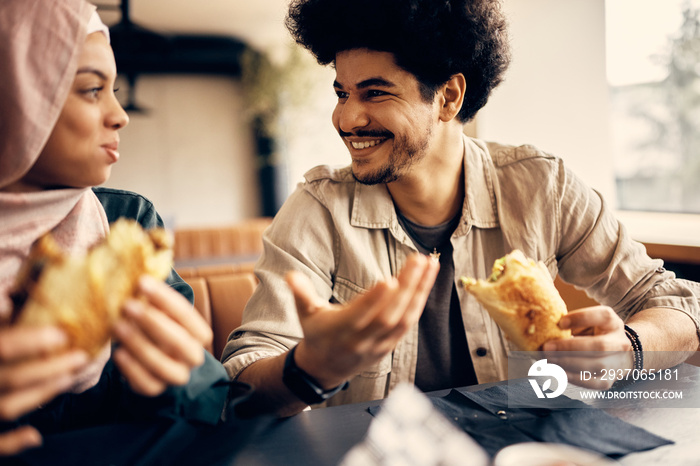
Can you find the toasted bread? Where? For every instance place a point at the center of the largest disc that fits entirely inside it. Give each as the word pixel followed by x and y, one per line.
pixel 84 294
pixel 521 298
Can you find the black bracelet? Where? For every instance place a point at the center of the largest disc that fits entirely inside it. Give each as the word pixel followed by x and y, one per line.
pixel 638 356
pixel 636 347
pixel 302 385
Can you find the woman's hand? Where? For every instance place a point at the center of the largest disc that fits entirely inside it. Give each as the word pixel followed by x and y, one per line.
pixel 34 368
pixel 162 339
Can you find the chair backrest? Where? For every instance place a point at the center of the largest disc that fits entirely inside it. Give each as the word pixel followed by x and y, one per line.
pixel 229 295
pixel 241 239
pixel 201 300
pixel 220 299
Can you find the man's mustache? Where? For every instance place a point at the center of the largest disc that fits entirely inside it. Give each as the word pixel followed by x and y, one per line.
pixel 367 134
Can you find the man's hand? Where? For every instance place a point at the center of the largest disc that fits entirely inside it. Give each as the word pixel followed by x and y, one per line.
pixel 342 340
pixel 597 330
pixel 34 368
pixel 161 337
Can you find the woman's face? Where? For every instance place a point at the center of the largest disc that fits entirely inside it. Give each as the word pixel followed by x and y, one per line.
pixel 85 141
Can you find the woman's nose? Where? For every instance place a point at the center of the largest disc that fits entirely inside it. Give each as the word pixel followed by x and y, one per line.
pixel 117 118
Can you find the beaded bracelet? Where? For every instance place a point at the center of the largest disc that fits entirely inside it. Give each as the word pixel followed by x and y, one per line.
pixel 636 347
pixel 638 355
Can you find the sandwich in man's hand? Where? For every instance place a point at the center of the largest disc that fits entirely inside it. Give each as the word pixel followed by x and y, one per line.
pixel 84 294
pixel 521 298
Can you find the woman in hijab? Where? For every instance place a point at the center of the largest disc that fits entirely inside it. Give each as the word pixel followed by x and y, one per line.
pixel 59 125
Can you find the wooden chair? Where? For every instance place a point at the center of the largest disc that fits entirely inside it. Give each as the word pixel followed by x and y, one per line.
pixel 220 299
pixel 201 301
pixel 228 294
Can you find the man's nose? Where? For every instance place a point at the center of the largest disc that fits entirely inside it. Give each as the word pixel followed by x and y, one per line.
pixel 352 114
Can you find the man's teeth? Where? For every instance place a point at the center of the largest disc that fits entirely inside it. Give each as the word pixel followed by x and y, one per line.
pixel 365 144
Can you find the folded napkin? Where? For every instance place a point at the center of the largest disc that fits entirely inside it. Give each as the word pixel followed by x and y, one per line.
pixel 486 417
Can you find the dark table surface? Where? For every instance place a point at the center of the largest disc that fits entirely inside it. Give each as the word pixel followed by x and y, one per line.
pixel 323 436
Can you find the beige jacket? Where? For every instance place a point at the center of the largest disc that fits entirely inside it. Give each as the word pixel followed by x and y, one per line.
pixel 345 236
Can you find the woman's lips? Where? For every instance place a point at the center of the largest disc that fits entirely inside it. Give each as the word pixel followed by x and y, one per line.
pixel 112 151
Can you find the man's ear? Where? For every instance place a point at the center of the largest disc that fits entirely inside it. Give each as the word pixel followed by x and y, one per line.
pixel 452 97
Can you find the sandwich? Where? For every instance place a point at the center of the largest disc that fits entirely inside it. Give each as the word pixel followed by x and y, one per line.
pixel 84 294
pixel 521 298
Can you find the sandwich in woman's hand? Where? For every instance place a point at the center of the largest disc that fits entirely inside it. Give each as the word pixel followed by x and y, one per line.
pixel 84 294
pixel 521 298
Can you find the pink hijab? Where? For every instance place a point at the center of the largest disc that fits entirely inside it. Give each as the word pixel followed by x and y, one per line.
pixel 40 43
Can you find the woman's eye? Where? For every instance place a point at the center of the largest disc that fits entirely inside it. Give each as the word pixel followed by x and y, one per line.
pixel 93 92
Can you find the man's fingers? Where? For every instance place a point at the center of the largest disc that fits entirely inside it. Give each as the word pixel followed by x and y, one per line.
pixel 18 440
pixel 425 286
pixel 602 318
pixel 305 295
pixel 408 301
pixel 364 309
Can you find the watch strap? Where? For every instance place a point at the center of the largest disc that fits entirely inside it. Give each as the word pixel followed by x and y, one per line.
pixel 302 385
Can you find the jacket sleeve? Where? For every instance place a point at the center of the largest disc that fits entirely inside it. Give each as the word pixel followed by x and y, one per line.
pixel 596 253
pixel 300 238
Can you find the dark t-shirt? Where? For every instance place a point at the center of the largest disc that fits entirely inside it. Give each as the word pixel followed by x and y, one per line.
pixel 443 352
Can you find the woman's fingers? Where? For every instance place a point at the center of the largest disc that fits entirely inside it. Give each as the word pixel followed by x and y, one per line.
pixel 15 403
pixel 150 357
pixel 167 335
pixel 34 368
pixel 18 440
pixel 32 371
pixel 174 305
pixel 20 342
pixel 161 339
pixel 140 379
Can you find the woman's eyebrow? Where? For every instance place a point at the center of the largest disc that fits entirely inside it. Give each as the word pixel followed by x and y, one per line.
pixel 94 71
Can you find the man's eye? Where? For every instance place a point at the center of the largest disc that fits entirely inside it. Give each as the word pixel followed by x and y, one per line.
pixel 376 93
pixel 341 94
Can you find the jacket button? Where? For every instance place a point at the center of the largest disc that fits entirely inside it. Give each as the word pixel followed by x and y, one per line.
pixel 481 352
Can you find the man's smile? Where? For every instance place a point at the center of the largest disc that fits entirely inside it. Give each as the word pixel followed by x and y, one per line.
pixel 359 145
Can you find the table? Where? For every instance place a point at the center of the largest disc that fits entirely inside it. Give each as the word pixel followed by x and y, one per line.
pixel 323 436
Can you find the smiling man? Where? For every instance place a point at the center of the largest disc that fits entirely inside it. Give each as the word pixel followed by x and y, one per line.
pixel 340 328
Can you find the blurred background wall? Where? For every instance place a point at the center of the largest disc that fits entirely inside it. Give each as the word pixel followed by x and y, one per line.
pixel 192 150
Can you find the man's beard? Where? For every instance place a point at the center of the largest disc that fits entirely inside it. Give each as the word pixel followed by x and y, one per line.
pixel 404 154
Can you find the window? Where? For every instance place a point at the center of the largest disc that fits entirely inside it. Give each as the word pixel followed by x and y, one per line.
pixel 653 69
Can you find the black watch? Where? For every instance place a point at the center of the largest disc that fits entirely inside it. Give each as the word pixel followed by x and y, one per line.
pixel 303 385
